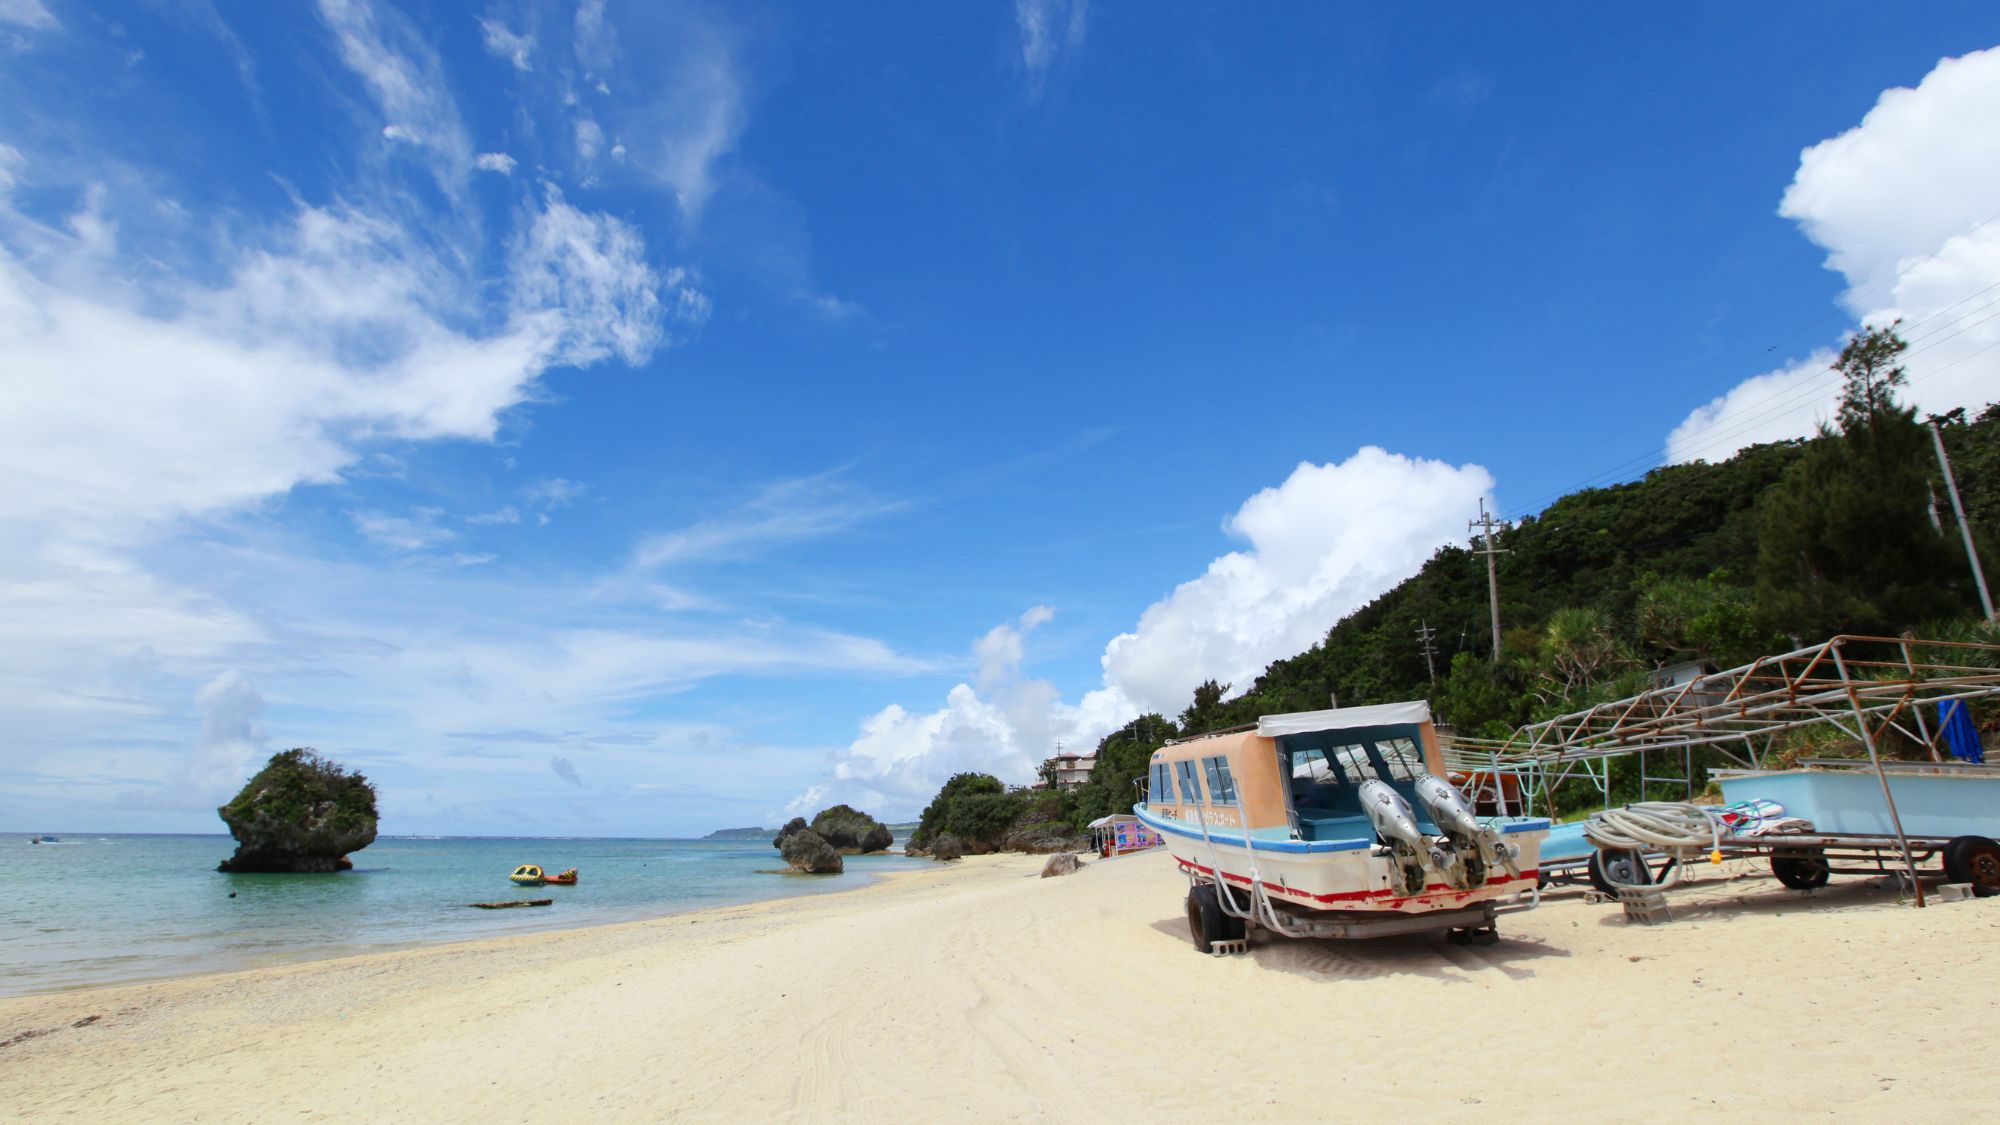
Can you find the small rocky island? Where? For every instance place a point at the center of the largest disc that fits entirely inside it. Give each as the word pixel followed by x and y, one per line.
pixel 302 813
pixel 816 848
pixel 807 851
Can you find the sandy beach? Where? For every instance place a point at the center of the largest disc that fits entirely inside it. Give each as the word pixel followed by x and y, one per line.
pixel 979 991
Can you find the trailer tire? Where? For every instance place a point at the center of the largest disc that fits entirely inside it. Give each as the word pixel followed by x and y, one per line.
pixel 1975 860
pixel 1612 870
pixel 1205 918
pixel 1801 870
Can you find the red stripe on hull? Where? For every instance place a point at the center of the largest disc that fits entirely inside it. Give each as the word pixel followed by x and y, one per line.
pixel 1384 899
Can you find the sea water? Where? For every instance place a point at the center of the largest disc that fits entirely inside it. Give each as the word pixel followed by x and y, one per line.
pixel 102 909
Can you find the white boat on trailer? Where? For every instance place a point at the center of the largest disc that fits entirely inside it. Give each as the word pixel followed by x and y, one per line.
pixel 1334 824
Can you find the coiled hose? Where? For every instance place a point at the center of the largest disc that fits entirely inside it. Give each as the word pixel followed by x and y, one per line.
pixel 1670 826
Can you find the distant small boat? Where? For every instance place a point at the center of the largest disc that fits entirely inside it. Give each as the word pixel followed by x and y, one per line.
pixel 528 875
pixel 46 840
pixel 566 879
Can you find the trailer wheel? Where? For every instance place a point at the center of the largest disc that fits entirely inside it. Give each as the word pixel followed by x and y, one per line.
pixel 1975 860
pixel 1205 918
pixel 1611 870
pixel 1233 927
pixel 1801 870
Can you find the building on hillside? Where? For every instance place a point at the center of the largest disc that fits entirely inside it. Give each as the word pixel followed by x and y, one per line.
pixel 1066 770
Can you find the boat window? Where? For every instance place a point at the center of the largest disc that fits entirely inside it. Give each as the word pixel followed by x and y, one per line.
pixel 1190 788
pixel 1310 765
pixel 1221 786
pixel 1354 763
pixel 1162 790
pixel 1403 758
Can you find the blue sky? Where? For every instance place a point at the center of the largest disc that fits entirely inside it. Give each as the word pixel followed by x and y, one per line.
pixel 640 419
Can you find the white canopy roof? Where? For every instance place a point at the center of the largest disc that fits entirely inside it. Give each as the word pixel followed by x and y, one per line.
pixel 1344 718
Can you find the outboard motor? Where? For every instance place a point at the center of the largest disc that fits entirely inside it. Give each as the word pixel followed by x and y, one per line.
pixel 1397 825
pixel 1476 848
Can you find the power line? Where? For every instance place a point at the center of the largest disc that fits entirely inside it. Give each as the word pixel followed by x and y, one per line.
pixel 1785 401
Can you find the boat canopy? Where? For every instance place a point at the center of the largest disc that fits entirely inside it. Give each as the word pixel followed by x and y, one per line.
pixel 1344 718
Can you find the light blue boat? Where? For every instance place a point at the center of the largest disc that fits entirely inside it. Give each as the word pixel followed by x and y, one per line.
pixel 1938 800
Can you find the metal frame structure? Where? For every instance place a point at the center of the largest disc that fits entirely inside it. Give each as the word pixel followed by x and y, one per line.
pixel 1864 687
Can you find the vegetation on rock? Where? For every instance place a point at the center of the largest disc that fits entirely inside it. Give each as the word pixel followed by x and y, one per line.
pixel 852 831
pixel 300 813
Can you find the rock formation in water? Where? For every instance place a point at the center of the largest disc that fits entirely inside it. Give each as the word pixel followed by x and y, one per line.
pixel 852 831
pixel 796 824
pixel 301 813
pixel 807 852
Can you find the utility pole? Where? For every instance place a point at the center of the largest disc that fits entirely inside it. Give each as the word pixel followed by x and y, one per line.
pixel 1424 635
pixel 1964 529
pixel 1486 521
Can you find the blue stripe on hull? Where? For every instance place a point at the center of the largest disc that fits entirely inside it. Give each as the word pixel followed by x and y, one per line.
pixel 1235 839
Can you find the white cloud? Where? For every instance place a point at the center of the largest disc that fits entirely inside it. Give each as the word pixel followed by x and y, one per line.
pixel 502 43
pixel 791 510
pixel 1001 650
pixel 584 277
pixel 406 80
pixel 1319 546
pixel 418 531
pixel 1048 27
pixel 231 743
pixel 30 14
pixel 692 118
pixel 589 140
pixel 554 492
pixel 1903 204
pixel 495 162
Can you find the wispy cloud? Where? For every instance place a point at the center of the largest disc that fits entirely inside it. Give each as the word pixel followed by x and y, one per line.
pixel 789 511
pixel 501 43
pixel 1048 28
pixel 495 162
pixel 418 531
pixel 406 79
pixel 27 13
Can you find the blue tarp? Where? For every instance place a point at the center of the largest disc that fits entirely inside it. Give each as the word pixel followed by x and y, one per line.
pixel 1959 734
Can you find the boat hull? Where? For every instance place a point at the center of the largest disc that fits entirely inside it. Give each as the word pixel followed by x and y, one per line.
pixel 1335 875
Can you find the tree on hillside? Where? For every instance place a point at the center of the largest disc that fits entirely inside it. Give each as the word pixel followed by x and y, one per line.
pixel 1709 619
pixel 1870 376
pixel 1205 713
pixel 1122 757
pixel 1848 543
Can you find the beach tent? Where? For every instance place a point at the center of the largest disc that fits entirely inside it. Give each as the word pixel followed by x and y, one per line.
pixel 1120 833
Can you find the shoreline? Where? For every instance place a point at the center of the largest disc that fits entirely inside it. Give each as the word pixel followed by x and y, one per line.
pixel 191 944
pixel 979 990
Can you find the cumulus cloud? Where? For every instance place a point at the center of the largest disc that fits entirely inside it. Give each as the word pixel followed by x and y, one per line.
pixel 1901 205
pixel 1317 546
pixel 495 162
pixel 1048 27
pixel 562 768
pixel 231 741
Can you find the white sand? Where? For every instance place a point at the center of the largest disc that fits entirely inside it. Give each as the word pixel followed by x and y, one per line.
pixel 977 991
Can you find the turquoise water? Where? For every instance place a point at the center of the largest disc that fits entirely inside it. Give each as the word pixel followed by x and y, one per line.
pixel 101 909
